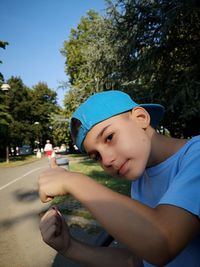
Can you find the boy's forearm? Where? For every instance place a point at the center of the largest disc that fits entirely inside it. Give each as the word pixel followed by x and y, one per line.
pixel 92 256
pixel 127 220
pixel 143 230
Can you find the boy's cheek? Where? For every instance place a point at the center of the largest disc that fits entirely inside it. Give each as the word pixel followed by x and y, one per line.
pixel 109 172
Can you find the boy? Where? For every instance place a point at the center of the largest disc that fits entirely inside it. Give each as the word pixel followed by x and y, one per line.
pixel 160 224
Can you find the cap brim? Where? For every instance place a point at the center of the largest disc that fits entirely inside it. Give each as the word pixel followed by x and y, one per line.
pixel 156 112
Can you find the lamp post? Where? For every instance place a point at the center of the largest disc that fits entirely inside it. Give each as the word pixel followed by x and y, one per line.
pixel 38 154
pixel 6 87
pixel 37 132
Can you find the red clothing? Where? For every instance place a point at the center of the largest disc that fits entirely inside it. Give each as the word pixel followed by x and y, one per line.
pixel 49 152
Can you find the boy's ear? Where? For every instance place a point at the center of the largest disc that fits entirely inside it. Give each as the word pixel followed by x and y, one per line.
pixel 141 117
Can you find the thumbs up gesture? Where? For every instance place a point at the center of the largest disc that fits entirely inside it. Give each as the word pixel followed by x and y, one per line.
pixel 52 182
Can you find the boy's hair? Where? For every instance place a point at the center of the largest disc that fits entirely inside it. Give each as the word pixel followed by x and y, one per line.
pixel 102 106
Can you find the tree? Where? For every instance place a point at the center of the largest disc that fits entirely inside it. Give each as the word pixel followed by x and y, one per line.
pixel 159 59
pixel 5 117
pixel 18 108
pixel 30 110
pixel 150 49
pixel 5 120
pixel 60 128
pixel 89 58
pixel 3 45
pixel 43 104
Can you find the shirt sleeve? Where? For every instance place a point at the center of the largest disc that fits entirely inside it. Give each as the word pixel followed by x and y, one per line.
pixel 184 190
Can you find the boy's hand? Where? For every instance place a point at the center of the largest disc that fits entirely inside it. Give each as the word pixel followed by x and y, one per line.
pixel 54 230
pixel 53 163
pixel 52 182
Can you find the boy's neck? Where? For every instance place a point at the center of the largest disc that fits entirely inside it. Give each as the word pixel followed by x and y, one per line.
pixel 162 147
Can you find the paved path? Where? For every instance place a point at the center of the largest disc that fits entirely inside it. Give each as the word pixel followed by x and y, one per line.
pixel 20 240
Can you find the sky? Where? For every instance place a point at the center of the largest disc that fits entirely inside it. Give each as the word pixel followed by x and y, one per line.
pixel 36 31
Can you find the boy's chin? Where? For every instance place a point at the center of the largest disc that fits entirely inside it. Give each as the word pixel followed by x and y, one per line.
pixel 130 177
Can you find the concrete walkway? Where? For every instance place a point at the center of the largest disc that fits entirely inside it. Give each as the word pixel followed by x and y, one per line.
pixel 20 239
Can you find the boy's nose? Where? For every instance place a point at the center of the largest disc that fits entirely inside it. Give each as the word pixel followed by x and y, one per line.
pixel 107 159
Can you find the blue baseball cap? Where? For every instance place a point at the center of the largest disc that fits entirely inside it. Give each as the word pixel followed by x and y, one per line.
pixel 102 106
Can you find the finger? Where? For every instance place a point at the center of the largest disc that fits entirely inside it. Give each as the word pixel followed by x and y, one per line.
pixel 47 215
pixel 53 155
pixel 59 221
pixel 50 218
pixel 49 235
pixel 56 209
pixel 46 223
pixel 44 197
pixel 53 163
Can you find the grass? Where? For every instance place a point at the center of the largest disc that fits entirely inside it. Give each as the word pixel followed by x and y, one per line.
pixel 80 213
pixel 17 161
pixel 79 163
pixel 93 170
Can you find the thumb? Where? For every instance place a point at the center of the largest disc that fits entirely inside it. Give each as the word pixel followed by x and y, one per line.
pixel 53 163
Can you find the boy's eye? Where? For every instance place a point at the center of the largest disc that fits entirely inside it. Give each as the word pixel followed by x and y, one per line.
pixel 95 157
pixel 109 137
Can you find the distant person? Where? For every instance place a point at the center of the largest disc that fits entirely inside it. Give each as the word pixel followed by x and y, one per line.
pixel 48 149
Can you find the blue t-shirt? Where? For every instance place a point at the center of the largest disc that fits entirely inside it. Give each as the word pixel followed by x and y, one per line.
pixel 176 181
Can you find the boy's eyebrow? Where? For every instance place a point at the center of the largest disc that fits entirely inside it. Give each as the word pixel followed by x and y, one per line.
pixel 99 135
pixel 102 131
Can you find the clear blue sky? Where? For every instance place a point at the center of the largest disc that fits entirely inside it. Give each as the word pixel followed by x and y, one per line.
pixel 36 31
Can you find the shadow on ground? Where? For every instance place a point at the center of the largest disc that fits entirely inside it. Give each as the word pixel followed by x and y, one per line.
pixel 77 225
pixel 29 196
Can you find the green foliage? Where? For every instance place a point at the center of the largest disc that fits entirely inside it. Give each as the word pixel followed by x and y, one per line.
pixel 93 170
pixel 18 161
pixel 60 126
pixel 73 49
pixel 17 102
pixel 89 57
pixel 89 62
pixel 25 114
pixel 160 57
pixel 43 104
pixel 149 49
pixel 3 45
pixel 43 99
pixel 5 117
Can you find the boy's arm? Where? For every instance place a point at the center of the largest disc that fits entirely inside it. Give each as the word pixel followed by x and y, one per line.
pixel 56 234
pixel 92 256
pixel 156 235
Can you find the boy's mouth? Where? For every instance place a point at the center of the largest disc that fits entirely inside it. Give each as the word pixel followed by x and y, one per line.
pixel 123 168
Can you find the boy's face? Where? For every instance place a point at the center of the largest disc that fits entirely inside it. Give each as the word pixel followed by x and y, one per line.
pixel 120 144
